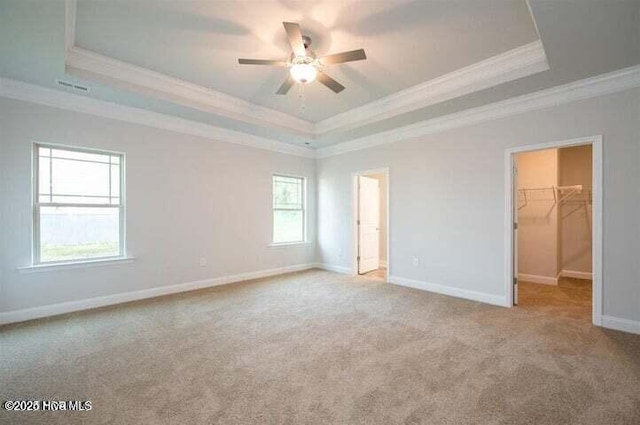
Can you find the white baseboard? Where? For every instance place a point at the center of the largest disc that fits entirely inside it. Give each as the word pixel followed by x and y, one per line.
pixel 333 268
pixel 618 324
pixel 534 278
pixel 342 269
pixel 450 290
pixel 576 275
pixel 71 306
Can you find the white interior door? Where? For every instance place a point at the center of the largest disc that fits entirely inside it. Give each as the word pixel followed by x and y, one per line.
pixel 368 224
pixel 516 207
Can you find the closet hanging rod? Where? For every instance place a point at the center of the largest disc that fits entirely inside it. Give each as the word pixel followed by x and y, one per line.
pixel 537 188
pixel 576 187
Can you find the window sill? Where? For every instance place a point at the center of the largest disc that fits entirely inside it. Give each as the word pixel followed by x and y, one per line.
pixel 284 244
pixel 75 265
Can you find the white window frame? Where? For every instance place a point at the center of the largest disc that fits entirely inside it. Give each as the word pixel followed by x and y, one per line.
pixel 35 251
pixel 303 209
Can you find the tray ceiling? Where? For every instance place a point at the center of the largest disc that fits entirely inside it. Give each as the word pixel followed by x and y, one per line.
pixel 427 60
pixel 407 43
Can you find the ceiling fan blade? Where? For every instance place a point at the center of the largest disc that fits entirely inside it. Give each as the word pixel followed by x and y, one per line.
pixel 288 83
pixel 354 55
pixel 294 33
pixel 329 82
pixel 261 62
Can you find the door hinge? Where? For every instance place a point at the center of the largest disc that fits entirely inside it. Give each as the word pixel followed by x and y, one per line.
pixel 358 222
pixel 358 258
pixel 515 226
pixel 515 280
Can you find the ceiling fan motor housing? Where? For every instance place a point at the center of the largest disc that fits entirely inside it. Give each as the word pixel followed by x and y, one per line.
pixel 306 40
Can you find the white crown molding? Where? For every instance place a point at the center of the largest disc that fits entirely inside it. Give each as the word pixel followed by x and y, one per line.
pixel 591 87
pixel 600 85
pixel 83 63
pixel 44 96
pixel 508 66
pixel 93 66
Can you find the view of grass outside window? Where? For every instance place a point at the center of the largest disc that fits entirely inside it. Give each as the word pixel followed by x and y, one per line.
pixel 78 206
pixel 288 209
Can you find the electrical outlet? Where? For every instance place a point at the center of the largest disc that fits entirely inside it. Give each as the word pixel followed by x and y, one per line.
pixel 415 261
pixel 203 262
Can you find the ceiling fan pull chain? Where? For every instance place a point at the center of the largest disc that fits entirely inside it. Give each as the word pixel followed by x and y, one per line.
pixel 301 97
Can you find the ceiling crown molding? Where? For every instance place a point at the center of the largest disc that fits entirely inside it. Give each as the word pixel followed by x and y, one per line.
pixel 613 82
pixel 617 81
pixel 517 63
pixel 508 66
pixel 36 94
pixel 86 64
pixel 93 66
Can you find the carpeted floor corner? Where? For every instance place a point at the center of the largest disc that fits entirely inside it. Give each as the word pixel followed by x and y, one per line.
pixel 322 348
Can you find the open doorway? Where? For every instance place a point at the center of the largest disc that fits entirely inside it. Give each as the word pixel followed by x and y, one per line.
pixel 371 223
pixel 555 208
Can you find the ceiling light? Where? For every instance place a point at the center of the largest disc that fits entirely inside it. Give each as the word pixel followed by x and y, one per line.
pixel 303 72
pixel 305 66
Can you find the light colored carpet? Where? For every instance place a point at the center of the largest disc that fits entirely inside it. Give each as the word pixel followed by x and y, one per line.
pixel 321 348
pixel 570 298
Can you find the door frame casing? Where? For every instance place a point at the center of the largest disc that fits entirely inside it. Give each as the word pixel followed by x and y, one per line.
pixel 597 243
pixel 354 215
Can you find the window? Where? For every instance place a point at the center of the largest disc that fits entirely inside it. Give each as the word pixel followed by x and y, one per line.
pixel 78 204
pixel 288 209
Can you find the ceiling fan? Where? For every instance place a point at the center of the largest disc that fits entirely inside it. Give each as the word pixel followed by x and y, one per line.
pixel 304 66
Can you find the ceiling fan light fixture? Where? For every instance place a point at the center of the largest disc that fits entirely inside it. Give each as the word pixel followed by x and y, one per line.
pixel 304 66
pixel 303 73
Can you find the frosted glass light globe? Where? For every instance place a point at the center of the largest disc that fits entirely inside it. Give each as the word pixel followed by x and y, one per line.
pixel 303 72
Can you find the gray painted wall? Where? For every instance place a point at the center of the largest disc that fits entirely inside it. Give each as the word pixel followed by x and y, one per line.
pixel 187 198
pixel 447 196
